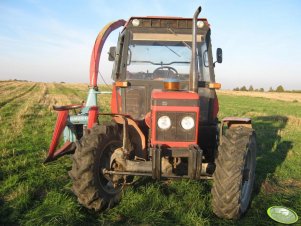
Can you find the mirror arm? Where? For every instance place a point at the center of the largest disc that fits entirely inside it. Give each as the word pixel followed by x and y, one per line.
pixel 214 63
pixel 110 55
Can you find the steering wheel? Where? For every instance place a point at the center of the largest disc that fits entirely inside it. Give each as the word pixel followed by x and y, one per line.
pixel 169 69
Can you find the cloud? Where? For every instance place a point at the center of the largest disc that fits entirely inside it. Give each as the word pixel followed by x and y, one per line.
pixel 53 40
pixel 33 46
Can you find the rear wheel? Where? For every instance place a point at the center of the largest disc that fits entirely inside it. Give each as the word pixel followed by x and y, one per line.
pixel 92 155
pixel 235 173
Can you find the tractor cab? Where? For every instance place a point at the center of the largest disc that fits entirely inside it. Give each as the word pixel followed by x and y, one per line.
pixel 154 52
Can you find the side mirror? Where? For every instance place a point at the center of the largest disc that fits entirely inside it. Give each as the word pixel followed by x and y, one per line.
pixel 112 53
pixel 219 55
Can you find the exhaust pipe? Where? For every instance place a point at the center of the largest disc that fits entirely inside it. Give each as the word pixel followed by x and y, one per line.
pixel 193 79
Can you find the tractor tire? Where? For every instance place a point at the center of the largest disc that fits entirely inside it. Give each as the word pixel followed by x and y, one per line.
pixel 234 176
pixel 94 190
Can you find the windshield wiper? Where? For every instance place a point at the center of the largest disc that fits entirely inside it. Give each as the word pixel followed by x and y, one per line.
pixel 172 51
pixel 172 31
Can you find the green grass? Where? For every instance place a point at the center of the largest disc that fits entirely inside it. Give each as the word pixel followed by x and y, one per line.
pixel 278 129
pixel 35 194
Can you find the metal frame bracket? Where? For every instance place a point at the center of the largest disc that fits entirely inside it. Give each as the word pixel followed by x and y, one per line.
pixel 195 162
pixel 156 163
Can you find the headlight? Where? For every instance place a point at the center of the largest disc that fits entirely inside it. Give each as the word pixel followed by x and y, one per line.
pixel 187 123
pixel 135 22
pixel 164 122
pixel 200 24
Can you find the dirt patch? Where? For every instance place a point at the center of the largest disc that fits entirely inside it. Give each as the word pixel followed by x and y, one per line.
pixel 290 183
pixel 287 186
pixel 269 187
pixel 294 121
pixel 291 97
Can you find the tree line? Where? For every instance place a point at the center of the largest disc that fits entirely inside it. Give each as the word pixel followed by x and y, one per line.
pixel 251 88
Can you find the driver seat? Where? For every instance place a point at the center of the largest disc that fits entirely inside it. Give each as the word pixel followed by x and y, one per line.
pixel 162 74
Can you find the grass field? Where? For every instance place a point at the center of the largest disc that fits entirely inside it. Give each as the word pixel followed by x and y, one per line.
pixel 35 194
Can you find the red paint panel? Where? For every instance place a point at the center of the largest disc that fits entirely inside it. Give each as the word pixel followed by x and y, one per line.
pixel 184 95
pixel 58 129
pixel 92 116
pixel 115 100
pixel 65 147
pixel 173 144
pixel 175 108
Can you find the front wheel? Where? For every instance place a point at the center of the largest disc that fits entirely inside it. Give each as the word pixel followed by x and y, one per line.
pixel 235 173
pixel 92 155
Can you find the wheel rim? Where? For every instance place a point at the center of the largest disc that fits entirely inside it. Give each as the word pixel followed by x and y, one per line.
pixel 247 180
pixel 105 181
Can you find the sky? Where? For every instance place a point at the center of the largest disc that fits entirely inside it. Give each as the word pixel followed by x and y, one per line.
pixel 51 41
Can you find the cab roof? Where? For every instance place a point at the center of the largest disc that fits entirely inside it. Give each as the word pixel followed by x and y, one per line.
pixel 164 21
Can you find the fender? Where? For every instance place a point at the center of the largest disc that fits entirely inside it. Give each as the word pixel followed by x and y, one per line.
pixel 234 122
pixel 127 121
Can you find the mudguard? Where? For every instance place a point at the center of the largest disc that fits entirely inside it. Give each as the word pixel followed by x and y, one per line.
pixel 228 122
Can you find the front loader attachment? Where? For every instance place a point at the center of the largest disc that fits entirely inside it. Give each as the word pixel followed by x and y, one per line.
pixel 60 126
pixel 72 126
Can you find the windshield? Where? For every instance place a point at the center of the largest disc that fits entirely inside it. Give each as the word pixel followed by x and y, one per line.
pixel 158 60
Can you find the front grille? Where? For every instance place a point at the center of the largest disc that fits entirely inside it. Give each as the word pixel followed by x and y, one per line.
pixel 176 132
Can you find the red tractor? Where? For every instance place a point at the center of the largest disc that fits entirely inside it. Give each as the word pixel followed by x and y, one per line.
pixel 164 118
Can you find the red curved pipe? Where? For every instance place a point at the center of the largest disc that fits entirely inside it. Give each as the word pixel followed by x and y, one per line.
pixel 99 42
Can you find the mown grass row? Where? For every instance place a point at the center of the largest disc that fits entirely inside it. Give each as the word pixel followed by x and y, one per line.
pixel 34 194
pixel 26 181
